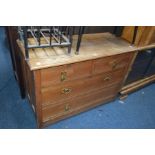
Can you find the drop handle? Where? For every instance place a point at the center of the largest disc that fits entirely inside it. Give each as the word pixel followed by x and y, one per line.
pixel 66 90
pixel 107 78
pixel 67 107
pixel 63 76
pixel 114 64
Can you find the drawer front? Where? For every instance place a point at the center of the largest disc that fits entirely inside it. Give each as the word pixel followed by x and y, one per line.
pixel 73 104
pixel 78 87
pixel 111 63
pixel 56 75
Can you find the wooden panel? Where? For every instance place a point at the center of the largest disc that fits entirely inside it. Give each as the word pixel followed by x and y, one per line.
pixel 145 35
pixel 111 63
pixel 128 33
pixel 56 75
pixel 66 107
pixel 38 101
pixel 78 87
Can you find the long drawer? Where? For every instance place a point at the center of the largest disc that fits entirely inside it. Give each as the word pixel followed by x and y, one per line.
pixel 78 87
pixel 68 106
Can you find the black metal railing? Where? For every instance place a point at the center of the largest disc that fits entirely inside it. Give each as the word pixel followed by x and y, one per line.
pixel 46 36
pixel 54 36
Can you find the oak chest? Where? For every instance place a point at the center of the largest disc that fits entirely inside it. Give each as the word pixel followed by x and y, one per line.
pixel 77 84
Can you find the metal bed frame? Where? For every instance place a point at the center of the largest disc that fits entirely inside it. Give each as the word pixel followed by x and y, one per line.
pixel 49 36
pixel 134 34
pixel 54 36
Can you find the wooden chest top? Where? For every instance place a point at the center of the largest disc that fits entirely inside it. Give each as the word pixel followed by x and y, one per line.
pixel 93 46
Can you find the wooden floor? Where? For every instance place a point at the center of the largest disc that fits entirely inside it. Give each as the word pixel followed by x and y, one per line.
pixel 92 46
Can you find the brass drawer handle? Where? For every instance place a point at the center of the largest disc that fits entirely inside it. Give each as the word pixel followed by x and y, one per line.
pixel 67 107
pixel 63 76
pixel 66 90
pixel 107 78
pixel 114 64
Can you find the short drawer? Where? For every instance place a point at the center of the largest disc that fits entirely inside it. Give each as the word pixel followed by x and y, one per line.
pixel 56 75
pixel 111 63
pixel 73 104
pixel 78 87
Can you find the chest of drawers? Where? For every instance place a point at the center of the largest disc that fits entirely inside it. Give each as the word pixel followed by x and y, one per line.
pixel 59 91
